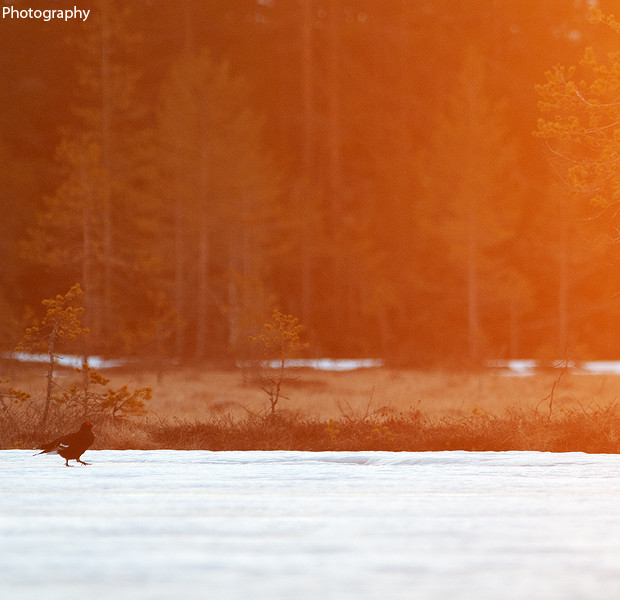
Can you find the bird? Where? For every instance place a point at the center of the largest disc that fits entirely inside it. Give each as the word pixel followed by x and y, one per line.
pixel 72 445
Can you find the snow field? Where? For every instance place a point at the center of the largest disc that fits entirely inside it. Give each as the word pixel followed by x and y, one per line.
pixel 279 525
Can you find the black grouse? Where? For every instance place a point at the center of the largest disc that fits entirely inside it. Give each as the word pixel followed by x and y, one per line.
pixel 72 445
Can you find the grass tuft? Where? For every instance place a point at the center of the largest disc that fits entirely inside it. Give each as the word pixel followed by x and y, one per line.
pixel 593 430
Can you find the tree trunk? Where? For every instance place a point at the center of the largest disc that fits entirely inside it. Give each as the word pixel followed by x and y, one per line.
pixel 307 162
pixel 203 288
pixel 106 142
pixel 179 278
pixel 180 220
pixel 334 168
pixel 564 280
pixel 91 318
pixel 50 379
pixel 514 328
pixel 473 318
pixel 203 249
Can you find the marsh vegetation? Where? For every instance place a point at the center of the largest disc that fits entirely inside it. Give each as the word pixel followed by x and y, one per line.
pixel 371 409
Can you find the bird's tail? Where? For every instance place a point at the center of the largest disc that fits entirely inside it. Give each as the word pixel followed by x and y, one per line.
pixel 52 451
pixel 50 448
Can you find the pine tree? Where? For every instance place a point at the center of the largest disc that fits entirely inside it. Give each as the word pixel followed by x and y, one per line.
pixel 475 166
pixel 220 185
pixel 582 131
pixel 579 126
pixel 98 226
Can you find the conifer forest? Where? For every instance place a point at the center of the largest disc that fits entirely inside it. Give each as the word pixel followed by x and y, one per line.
pixel 422 181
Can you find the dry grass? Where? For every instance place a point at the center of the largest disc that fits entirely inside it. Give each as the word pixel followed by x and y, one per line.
pixel 198 394
pixel 374 409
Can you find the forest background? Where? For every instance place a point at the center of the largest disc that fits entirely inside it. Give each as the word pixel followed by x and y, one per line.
pixel 366 166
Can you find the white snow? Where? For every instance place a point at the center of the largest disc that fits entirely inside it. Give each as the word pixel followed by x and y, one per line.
pixel 601 367
pixel 329 364
pixel 65 360
pixel 522 368
pixel 526 368
pixel 299 525
pixel 97 362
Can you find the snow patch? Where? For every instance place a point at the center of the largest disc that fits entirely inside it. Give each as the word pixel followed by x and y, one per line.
pixel 65 360
pixel 330 364
pixel 97 362
pixel 525 368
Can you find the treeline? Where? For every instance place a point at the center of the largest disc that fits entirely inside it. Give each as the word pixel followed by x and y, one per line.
pixel 366 166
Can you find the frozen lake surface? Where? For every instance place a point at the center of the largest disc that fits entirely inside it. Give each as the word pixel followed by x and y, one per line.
pixel 299 525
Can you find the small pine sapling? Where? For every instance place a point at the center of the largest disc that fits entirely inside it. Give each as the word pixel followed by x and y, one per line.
pixel 118 404
pixel 123 402
pixel 62 321
pixel 279 340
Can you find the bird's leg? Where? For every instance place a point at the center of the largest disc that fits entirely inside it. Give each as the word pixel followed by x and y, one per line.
pixel 81 461
pixel 67 462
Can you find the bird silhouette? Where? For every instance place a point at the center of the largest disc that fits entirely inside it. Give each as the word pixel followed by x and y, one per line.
pixel 72 445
